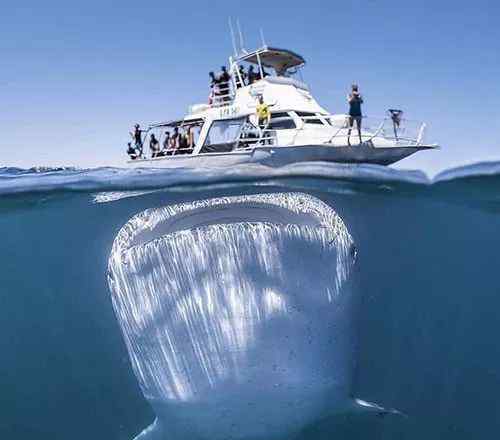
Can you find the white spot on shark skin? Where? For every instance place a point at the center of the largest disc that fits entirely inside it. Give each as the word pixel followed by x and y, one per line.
pixel 114 196
pixel 235 314
pixel 369 406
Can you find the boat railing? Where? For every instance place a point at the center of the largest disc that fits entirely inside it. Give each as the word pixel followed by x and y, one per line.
pixel 254 136
pixel 221 94
pixel 400 131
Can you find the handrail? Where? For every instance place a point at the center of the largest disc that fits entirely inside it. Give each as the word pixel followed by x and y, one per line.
pixel 221 94
pixel 370 133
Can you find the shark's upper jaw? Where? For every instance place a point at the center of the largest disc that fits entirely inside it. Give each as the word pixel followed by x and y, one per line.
pixel 235 301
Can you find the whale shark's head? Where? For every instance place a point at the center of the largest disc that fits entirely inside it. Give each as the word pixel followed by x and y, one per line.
pixel 236 312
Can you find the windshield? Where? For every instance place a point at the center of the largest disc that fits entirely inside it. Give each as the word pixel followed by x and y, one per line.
pixel 222 135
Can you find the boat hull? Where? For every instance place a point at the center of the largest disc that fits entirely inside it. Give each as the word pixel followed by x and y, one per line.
pixel 276 156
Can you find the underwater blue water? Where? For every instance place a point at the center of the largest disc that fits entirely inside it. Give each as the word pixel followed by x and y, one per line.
pixel 426 272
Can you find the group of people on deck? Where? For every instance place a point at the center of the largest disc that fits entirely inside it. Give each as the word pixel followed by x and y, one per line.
pixel 220 85
pixel 181 141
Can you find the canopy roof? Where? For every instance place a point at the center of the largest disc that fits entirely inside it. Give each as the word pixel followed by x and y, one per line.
pixel 178 123
pixel 277 59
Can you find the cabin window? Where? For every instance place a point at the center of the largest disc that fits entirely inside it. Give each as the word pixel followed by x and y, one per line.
pixel 281 121
pixel 222 135
pixel 310 118
pixel 280 115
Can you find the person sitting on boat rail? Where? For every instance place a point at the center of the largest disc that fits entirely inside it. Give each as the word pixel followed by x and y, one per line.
pixel 355 100
pixel 132 152
pixel 154 145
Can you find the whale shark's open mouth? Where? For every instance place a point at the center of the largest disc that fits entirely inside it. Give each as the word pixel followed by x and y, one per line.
pixel 234 298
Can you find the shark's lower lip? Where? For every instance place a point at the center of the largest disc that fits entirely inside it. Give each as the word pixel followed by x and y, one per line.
pixel 235 301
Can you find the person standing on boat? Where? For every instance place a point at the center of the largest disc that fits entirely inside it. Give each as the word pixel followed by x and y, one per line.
pixel 154 145
pixel 214 89
pixel 190 138
pixel 224 79
pixel 182 142
pixel 166 144
pixel 355 115
pixel 252 76
pixel 263 113
pixel 241 77
pixel 137 137
pixel 174 139
pixel 263 118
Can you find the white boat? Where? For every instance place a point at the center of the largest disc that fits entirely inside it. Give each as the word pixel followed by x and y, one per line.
pixel 226 130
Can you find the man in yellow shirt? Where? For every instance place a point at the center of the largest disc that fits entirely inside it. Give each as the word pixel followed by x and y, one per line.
pixel 263 113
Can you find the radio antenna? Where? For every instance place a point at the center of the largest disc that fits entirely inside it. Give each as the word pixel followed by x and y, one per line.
pixel 242 45
pixel 233 39
pixel 262 38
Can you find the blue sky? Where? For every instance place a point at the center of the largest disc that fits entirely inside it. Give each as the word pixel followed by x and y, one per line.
pixel 74 76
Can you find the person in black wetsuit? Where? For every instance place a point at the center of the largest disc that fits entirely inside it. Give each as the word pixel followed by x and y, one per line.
pixel 131 151
pixel 252 76
pixel 214 89
pixel 355 115
pixel 243 77
pixel 137 137
pixel 224 79
pixel 224 75
pixel 213 80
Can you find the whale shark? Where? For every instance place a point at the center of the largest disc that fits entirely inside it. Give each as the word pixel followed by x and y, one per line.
pixel 238 315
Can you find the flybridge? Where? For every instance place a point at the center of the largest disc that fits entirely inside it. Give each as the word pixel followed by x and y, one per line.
pixel 281 60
